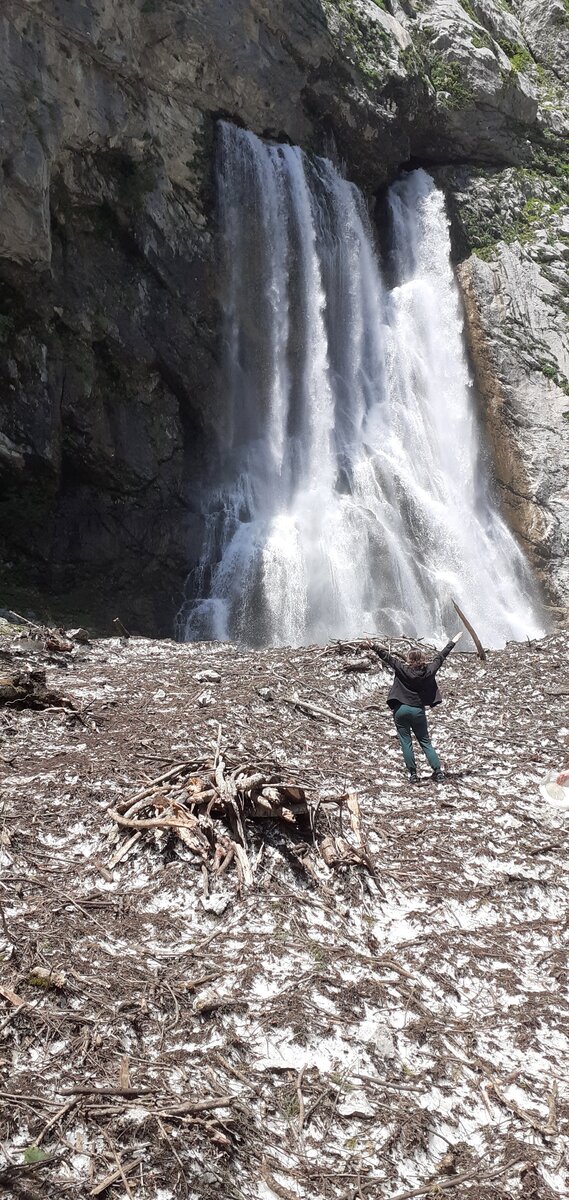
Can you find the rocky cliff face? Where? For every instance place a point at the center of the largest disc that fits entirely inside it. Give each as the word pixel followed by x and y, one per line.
pixel 516 301
pixel 108 304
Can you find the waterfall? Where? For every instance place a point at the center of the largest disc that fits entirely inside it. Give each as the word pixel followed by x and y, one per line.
pixel 349 491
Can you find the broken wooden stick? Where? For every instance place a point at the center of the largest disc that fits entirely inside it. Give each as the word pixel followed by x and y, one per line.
pixel 7 994
pixel 96 1090
pixel 123 850
pixel 453 1181
pixel 125 1169
pixel 62 1112
pixel 479 647
pixel 314 710
pixel 153 822
pixel 24 620
pixel 120 628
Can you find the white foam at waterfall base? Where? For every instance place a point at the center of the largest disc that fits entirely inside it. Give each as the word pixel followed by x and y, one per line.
pixel 349 488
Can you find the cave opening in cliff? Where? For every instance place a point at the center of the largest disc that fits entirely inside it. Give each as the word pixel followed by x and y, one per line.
pixel 349 490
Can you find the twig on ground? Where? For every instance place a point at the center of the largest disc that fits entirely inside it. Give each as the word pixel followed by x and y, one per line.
pixel 55 1120
pixel 451 1181
pixel 300 1098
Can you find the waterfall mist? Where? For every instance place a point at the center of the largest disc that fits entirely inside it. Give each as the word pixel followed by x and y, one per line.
pixel 350 492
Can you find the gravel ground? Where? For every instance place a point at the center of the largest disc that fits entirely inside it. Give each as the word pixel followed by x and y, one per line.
pixel 391 1026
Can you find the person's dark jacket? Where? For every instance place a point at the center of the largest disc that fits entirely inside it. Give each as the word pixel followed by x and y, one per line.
pixel 416 686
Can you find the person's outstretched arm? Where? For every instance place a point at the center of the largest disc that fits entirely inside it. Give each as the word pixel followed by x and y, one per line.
pixel 389 659
pixel 439 658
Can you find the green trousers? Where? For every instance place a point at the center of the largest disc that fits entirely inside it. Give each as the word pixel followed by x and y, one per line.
pixel 414 720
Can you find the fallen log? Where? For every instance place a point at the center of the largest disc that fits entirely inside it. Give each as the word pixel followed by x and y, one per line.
pixel 315 710
pixel 356 666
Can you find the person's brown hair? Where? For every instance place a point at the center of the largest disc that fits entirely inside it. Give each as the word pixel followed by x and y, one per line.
pixel 416 658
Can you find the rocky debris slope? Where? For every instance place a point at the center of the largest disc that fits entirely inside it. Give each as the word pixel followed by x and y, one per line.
pixel 388 1025
pixel 109 312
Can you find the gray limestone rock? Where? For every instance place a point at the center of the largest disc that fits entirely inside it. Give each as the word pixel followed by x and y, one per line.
pixel 516 296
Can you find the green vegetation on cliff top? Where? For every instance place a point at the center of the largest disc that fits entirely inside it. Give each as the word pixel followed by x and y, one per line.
pixel 446 77
pixel 366 38
pixel 533 214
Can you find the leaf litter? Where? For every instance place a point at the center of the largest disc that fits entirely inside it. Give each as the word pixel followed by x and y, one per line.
pixel 307 979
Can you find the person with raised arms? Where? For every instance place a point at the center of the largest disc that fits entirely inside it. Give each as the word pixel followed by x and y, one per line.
pixel 414 689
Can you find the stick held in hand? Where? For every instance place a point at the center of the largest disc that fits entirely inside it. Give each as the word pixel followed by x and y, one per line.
pixel 479 647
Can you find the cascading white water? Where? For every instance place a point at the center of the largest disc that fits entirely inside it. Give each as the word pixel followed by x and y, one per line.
pixel 351 494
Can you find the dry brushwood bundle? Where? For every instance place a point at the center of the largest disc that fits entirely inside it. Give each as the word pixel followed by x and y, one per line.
pixel 206 804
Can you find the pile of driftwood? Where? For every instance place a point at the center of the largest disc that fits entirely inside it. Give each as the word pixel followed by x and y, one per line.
pixel 55 640
pixel 207 804
pixel 395 645
pixel 358 655
pixel 398 646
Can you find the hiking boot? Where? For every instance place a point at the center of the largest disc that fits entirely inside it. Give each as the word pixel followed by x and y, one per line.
pixel 413 777
pixel 438 777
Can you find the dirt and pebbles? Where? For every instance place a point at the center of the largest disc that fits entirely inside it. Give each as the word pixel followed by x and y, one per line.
pixel 385 1028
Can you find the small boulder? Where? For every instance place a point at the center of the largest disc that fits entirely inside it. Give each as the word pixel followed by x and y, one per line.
pixel 78 635
pixel 215 904
pixel 208 676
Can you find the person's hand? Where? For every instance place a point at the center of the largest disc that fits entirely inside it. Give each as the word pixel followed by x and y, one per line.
pixel 456 638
